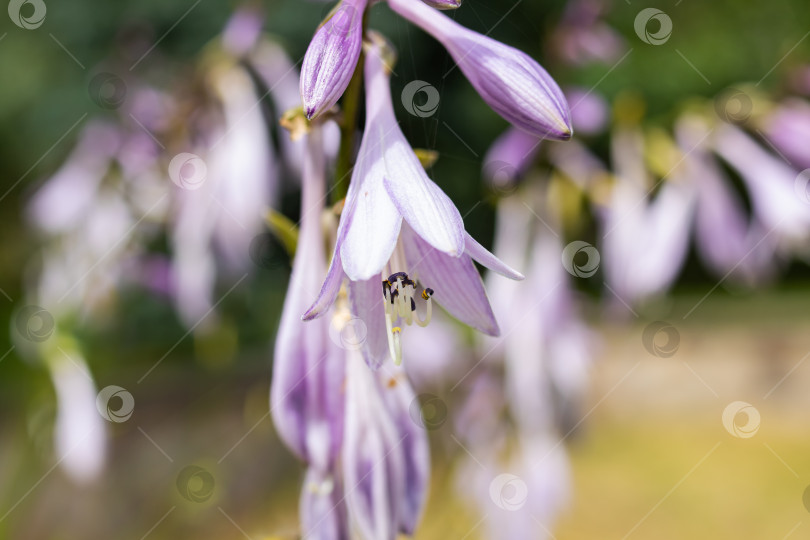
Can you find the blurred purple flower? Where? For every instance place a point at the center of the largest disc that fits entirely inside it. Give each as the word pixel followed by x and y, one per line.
pixel 788 128
pixel 509 80
pixel 509 157
pixel 388 186
pixel 770 183
pixel 728 241
pixel 645 241
pixel 589 111
pixel 331 57
pixel 583 37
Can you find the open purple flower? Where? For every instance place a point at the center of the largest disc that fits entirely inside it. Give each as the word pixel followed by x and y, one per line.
pixel 509 80
pixel 331 57
pixel 398 224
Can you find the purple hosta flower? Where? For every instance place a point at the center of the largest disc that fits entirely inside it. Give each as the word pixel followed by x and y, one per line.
pixel 308 369
pixel 242 31
pixel 788 128
pixel 331 57
pixel 398 228
pixel 770 183
pixel 222 194
pixel 589 111
pixel 509 157
pixel 521 482
pixel 728 241
pixel 386 459
pixel 509 80
pixel 645 241
pixel 583 37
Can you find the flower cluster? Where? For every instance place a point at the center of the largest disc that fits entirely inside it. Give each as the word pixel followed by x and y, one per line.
pixel 367 458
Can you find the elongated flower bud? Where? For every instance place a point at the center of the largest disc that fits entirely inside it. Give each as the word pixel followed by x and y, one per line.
pixel 509 80
pixel 332 57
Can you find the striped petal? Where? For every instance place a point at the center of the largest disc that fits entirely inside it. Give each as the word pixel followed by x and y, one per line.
pixel 454 280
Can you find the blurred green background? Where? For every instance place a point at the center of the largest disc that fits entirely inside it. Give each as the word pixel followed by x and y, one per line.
pixel 200 403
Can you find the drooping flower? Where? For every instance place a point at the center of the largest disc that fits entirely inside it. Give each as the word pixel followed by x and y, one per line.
pixel 397 224
pixel 645 241
pixel 509 80
pixel 769 181
pixel 308 369
pixel 386 458
pixel 729 242
pixel 331 57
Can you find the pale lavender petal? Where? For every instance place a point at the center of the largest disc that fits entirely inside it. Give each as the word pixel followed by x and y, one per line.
pixel 400 399
pixel 454 280
pixel 372 457
pixel 372 235
pixel 331 58
pixel 323 512
pixel 367 304
pixel 483 256
pixel 420 201
pixel 509 80
pixel 329 289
